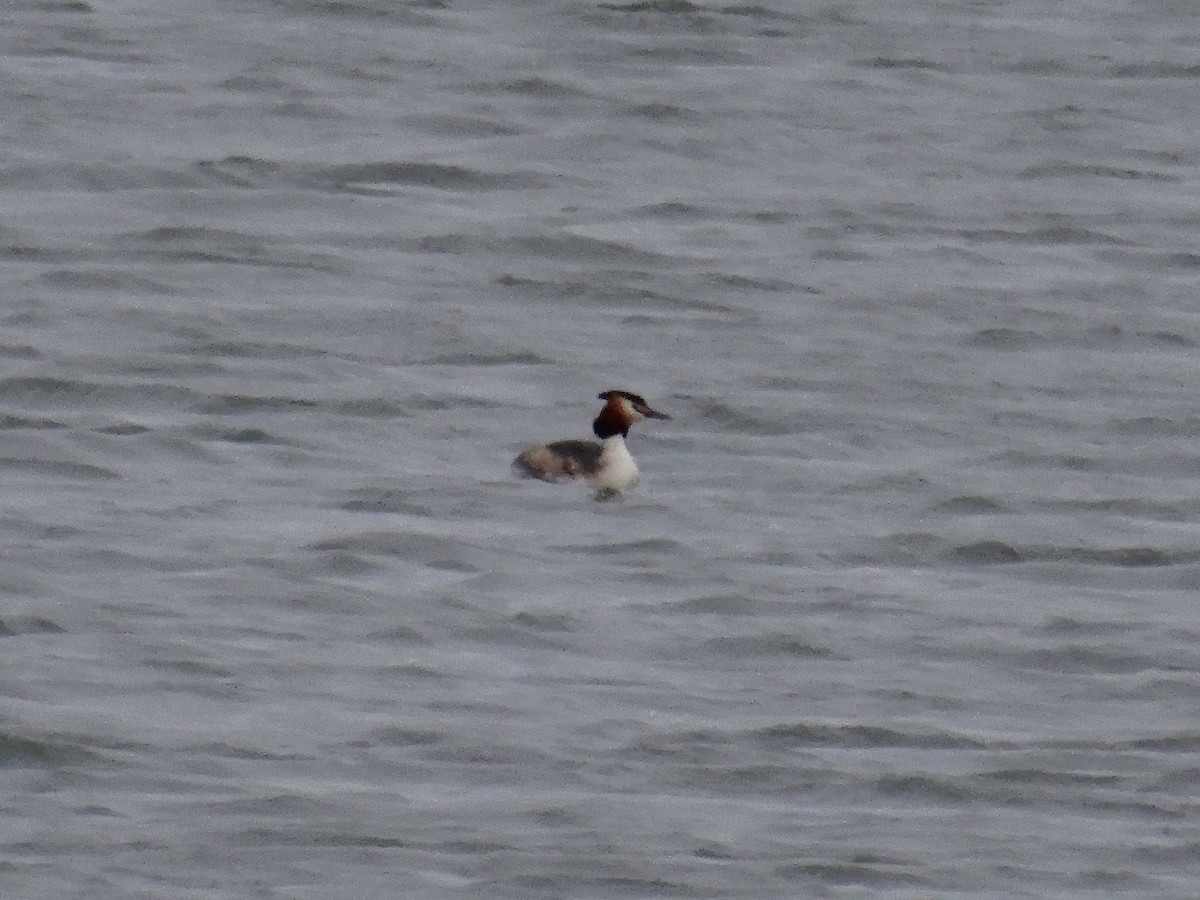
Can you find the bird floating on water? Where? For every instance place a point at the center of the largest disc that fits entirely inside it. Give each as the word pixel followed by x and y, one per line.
pixel 605 464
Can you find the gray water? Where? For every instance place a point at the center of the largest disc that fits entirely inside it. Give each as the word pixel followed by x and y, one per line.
pixel 905 604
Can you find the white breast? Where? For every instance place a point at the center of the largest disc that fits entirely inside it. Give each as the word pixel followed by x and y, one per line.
pixel 617 469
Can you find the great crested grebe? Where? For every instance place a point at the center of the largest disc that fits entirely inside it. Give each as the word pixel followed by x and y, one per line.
pixel 605 464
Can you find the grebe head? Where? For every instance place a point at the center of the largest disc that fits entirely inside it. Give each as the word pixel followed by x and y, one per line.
pixel 621 410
